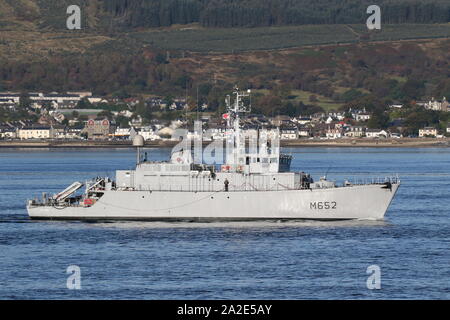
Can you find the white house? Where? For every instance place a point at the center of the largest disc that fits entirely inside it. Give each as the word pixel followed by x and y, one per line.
pixel 97 100
pixel 303 120
pixel 8 97
pixel 38 98
pixel 334 133
pixel 362 117
pixel 7 132
pixel 361 114
pixel 435 105
pixel 289 133
pixel 355 132
pixel 7 104
pixel 376 133
pixel 59 98
pixel 74 132
pixel 304 132
pixel 59 132
pixel 428 132
pixel 34 132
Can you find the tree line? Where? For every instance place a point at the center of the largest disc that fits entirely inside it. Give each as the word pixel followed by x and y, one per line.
pixel 254 13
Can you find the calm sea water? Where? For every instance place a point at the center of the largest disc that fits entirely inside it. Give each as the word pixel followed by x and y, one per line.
pixel 252 260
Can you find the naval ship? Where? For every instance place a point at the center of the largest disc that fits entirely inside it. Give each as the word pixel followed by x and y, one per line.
pixel 254 182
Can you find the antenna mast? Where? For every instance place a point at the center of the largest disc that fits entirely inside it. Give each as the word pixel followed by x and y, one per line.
pixel 234 111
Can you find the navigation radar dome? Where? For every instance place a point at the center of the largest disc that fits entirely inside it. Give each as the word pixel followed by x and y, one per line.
pixel 138 141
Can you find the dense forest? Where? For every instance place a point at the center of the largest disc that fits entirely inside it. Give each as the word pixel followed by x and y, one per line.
pixel 252 13
pixel 125 14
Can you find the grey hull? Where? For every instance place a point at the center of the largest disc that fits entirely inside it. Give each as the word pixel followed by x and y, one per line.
pixel 354 202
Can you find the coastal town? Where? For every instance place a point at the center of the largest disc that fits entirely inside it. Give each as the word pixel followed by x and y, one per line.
pixel 82 116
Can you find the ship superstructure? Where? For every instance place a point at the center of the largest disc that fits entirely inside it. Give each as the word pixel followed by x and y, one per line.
pixel 253 182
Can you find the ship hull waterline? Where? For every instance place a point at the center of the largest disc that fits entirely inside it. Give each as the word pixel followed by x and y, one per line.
pixel 343 203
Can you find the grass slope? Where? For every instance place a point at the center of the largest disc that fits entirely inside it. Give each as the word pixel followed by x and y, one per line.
pixel 245 39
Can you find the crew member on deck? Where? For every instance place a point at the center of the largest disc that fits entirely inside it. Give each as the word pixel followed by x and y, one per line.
pixel 226 183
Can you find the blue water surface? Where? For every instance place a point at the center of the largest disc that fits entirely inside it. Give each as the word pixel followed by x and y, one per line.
pixel 251 260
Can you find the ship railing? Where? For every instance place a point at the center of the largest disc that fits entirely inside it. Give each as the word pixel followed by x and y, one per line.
pixel 394 179
pixel 246 186
pixel 249 186
pixel 54 203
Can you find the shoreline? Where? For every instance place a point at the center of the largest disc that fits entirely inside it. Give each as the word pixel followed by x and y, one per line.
pixel 342 143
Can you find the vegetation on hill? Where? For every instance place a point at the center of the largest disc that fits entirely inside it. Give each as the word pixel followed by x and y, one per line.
pixel 120 15
pixel 329 77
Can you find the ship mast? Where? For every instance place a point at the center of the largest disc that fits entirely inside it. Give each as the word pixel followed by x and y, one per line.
pixel 233 120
